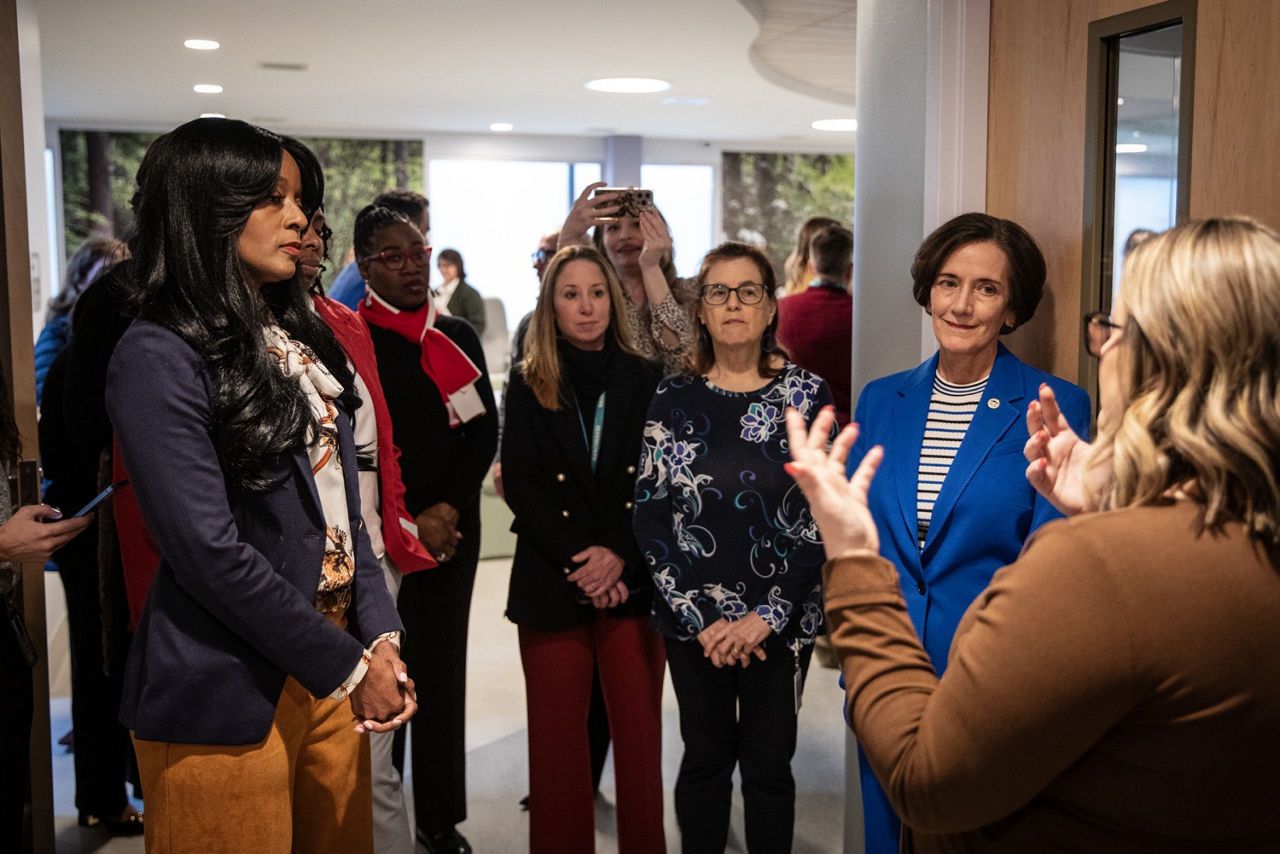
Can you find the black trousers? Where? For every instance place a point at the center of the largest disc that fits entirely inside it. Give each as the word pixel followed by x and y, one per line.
pixel 736 716
pixel 435 606
pixel 16 707
pixel 103 752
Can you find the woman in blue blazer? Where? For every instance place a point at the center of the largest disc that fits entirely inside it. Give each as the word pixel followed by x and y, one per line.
pixel 951 501
pixel 268 628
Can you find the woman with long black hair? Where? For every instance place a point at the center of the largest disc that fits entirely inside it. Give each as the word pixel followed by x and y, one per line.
pixel 268 624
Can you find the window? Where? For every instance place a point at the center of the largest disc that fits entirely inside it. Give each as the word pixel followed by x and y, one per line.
pixel 493 212
pixel 684 194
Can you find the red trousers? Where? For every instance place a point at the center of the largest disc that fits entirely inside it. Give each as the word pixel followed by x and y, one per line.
pixel 558 668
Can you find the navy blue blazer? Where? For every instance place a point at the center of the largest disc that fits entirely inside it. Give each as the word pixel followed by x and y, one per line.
pixel 986 508
pixel 231 610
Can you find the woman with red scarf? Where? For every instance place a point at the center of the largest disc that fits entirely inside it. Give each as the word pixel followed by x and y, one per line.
pixel 445 422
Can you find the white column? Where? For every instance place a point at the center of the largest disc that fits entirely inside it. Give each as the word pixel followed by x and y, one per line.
pixel 920 159
pixel 622 158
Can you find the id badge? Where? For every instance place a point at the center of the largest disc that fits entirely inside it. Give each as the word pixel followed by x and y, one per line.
pixel 797 680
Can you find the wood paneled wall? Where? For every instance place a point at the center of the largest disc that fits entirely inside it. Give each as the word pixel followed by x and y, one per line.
pixel 1036 154
pixel 1036 142
pixel 1235 156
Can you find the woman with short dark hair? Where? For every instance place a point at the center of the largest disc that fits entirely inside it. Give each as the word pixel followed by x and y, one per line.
pixel 734 554
pixel 456 294
pixel 1110 690
pixel 952 503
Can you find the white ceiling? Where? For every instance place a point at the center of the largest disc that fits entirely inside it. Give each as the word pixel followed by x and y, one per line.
pixel 412 67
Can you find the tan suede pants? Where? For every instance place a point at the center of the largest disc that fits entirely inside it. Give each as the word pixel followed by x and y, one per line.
pixel 305 788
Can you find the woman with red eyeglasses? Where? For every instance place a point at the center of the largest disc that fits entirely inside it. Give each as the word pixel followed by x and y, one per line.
pixel 445 422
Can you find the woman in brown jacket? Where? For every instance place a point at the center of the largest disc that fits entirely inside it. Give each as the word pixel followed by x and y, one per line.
pixel 1110 690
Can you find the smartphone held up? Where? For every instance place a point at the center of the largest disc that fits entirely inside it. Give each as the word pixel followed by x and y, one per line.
pixel 630 201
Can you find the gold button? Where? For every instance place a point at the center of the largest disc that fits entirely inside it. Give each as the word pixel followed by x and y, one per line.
pixel 560 477
pixel 631 469
pixel 566 570
pixel 626 505
pixel 564 513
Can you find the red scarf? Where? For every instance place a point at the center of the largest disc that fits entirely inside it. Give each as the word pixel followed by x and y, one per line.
pixel 443 361
pixel 403 546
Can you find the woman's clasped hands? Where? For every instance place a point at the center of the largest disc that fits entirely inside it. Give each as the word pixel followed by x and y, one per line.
pixel 385 699
pixel 600 577
pixel 729 642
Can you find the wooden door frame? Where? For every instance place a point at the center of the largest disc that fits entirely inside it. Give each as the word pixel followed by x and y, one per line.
pixel 18 356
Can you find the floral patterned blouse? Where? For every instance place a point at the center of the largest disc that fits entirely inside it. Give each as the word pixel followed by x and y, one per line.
pixel 649 322
pixel 724 529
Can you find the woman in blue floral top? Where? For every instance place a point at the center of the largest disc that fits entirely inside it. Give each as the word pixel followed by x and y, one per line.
pixel 734 553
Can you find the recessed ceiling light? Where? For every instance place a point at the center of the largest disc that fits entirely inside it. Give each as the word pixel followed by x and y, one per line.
pixel 628 85
pixel 201 44
pixel 845 125
pixel 207 88
pixel 212 116
pixel 501 127
pixel 1130 148
pixel 677 101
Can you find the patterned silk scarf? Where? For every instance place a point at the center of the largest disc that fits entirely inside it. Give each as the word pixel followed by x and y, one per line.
pixel 321 389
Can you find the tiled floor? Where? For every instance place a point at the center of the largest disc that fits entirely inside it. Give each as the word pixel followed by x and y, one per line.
pixel 496 751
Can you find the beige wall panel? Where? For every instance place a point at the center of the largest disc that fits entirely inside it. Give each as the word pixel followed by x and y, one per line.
pixel 1234 155
pixel 1035 153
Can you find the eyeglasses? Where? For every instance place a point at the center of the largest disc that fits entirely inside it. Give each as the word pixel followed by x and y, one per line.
pixel 542 256
pixel 748 294
pixel 1098 329
pixel 395 259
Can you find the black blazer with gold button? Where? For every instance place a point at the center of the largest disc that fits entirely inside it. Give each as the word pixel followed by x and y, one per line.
pixel 561 507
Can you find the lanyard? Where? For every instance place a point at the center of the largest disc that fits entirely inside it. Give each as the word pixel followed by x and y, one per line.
pixel 597 430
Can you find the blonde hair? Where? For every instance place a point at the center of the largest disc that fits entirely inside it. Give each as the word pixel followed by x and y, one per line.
pixel 541 364
pixel 796 267
pixel 1202 344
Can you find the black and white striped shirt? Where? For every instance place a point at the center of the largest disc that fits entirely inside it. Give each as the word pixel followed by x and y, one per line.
pixel 951 409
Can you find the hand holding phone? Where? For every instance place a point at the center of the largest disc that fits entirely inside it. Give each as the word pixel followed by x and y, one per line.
pixel 630 202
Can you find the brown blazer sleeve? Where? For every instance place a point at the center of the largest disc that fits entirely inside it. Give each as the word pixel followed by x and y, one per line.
pixel 1040 669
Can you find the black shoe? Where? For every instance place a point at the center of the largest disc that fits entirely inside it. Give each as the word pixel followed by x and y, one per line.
pixel 524 804
pixel 447 841
pixel 130 825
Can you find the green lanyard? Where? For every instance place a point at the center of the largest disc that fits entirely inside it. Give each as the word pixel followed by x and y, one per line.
pixel 597 430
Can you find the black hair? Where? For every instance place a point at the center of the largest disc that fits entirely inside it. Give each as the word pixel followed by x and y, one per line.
pixel 197 186
pixel 368 221
pixel 454 257
pixel 831 251
pixel 1026 263
pixel 412 205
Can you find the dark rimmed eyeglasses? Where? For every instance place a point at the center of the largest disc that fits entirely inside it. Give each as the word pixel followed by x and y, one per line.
pixel 395 259
pixel 542 256
pixel 748 294
pixel 1098 329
